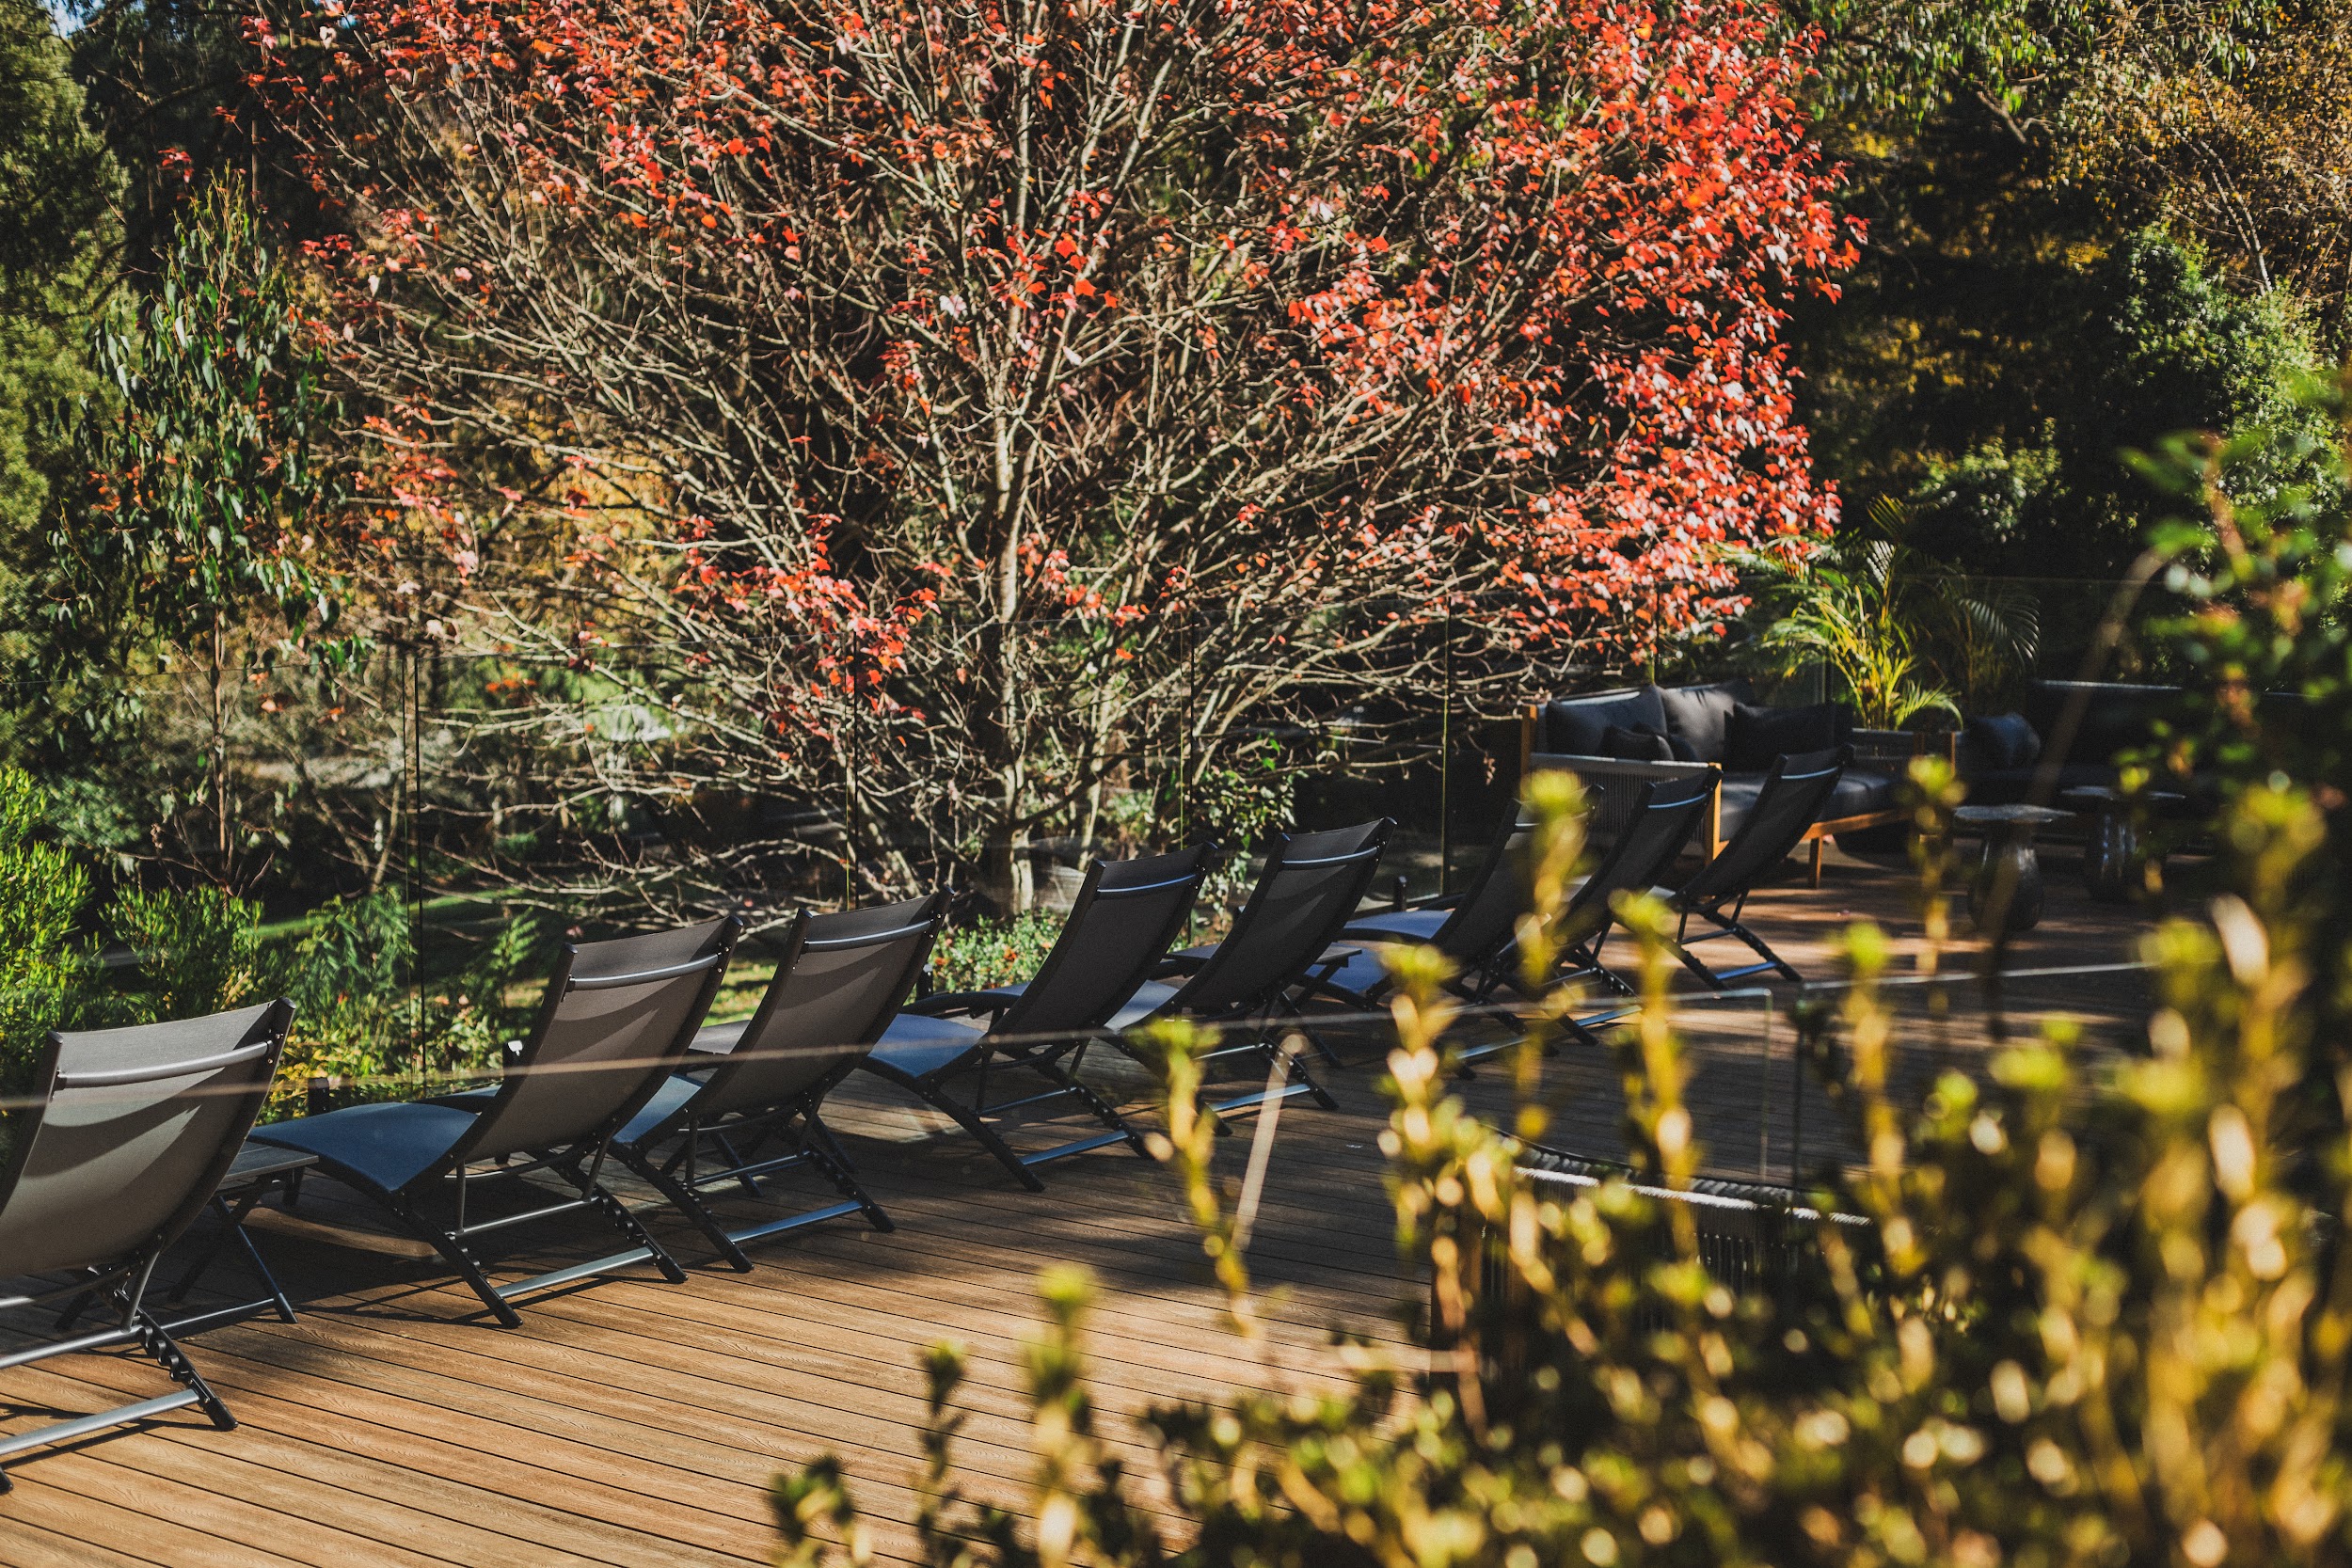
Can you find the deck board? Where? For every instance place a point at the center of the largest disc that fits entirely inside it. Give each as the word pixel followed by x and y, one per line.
pixel 632 1422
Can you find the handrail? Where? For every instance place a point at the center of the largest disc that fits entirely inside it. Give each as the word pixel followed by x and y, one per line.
pixel 830 943
pixel 645 976
pixel 1146 887
pixel 116 1077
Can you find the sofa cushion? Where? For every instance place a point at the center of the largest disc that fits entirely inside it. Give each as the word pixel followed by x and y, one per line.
pixel 1698 715
pixel 1857 793
pixel 2003 740
pixel 1578 726
pixel 1757 736
pixel 2118 715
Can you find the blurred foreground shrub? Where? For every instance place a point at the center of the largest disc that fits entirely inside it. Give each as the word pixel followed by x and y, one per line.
pixel 2092 1319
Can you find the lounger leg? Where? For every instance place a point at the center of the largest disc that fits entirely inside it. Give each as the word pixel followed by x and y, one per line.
pixel 1763 950
pixel 819 1149
pixel 1104 1112
pixel 454 1253
pixel 682 1198
pixel 1814 877
pixel 167 1352
pixel 612 1207
pixel 935 1096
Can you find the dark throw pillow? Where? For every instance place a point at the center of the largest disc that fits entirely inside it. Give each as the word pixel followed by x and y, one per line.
pixel 1697 716
pixel 2004 740
pixel 1755 736
pixel 1636 745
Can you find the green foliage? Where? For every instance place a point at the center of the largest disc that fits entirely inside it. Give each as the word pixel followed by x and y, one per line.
pixel 199 950
pixel 983 953
pixel 1908 60
pixel 1994 379
pixel 55 183
pixel 212 475
pixel 2265 572
pixel 1898 635
pixel 46 971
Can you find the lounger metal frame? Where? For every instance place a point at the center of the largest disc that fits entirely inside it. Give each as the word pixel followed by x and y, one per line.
pixel 1786 810
pixel 1285 978
pixel 1033 1027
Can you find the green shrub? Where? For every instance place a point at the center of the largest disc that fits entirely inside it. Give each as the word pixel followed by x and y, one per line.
pixel 985 953
pixel 198 949
pixel 47 973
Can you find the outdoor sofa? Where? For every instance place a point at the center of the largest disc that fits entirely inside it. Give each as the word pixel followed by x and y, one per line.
pixel 2064 735
pixel 1623 738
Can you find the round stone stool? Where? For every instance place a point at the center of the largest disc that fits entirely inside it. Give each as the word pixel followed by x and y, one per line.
pixel 2008 887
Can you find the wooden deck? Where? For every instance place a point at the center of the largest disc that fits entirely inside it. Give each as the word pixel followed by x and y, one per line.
pixel 632 1422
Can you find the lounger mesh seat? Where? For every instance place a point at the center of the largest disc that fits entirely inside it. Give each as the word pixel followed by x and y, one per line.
pixel 134 1130
pixel 1126 917
pixel 839 980
pixel 1663 815
pixel 1664 818
pixel 617 1017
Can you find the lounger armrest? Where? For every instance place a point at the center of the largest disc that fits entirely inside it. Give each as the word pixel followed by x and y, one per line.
pixel 940 1003
pixel 1188 962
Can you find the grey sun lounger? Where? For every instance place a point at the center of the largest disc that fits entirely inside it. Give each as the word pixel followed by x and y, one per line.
pixel 1281 941
pixel 1792 799
pixel 617 1017
pixel 1126 917
pixel 839 981
pixel 134 1131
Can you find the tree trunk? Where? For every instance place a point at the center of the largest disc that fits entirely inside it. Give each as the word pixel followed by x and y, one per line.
pixel 1006 875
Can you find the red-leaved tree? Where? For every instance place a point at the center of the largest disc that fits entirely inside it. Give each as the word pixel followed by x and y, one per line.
pixel 956 406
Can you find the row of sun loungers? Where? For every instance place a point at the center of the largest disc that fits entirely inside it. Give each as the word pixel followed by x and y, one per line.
pixel 133 1129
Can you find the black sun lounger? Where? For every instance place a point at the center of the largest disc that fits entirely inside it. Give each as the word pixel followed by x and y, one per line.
pixel 134 1130
pixel 1279 942
pixel 617 1017
pixel 1126 917
pixel 1791 801
pixel 839 981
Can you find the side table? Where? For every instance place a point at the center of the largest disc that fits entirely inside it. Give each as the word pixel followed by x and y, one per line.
pixel 2008 888
pixel 257 1168
pixel 2115 849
